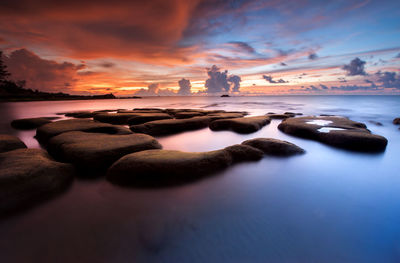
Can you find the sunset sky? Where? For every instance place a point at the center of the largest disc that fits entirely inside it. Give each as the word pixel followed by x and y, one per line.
pixel 147 47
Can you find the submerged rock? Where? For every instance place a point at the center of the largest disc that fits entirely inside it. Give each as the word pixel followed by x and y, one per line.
pixel 9 143
pixel 274 147
pixel 336 131
pixel 241 125
pixel 45 132
pixel 171 126
pixel 28 176
pixel 97 151
pixel 396 121
pixel 31 123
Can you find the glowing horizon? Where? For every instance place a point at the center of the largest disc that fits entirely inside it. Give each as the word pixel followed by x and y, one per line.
pixel 274 47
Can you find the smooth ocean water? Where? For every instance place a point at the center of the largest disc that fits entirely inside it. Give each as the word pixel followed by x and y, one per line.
pixel 329 205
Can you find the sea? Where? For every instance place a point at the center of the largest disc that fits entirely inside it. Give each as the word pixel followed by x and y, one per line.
pixel 328 205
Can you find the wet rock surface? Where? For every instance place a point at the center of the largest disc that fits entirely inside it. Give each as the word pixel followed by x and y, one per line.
pixel 396 121
pixel 274 146
pixel 10 142
pixel 336 131
pixel 31 123
pixel 241 125
pixel 97 151
pixel 28 176
pixel 45 132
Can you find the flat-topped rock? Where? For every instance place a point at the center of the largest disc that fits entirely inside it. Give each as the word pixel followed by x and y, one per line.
pixel 162 127
pixel 149 110
pixel 28 176
pixel 78 114
pixel 10 142
pixel 396 121
pixel 31 123
pixel 97 151
pixel 146 117
pixel 49 130
pixel 240 125
pixel 274 146
pixel 166 167
pixel 336 131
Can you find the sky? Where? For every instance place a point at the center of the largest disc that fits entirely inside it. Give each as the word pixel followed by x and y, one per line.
pixel 203 47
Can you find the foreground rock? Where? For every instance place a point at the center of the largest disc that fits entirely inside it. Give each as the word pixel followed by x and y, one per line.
pixel 31 123
pixel 396 121
pixel 9 143
pixel 241 125
pixel 28 176
pixel 96 151
pixel 45 132
pixel 164 167
pixel 162 127
pixel 274 147
pixel 336 131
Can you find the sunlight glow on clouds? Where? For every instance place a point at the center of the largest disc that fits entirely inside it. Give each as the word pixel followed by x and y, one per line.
pixel 267 47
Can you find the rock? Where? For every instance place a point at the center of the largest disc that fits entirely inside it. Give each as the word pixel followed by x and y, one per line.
pixel 241 125
pixel 274 147
pixel 293 113
pixel 336 131
pixel 281 116
pixel 377 123
pixel 96 151
pixel 31 123
pixel 149 110
pixel 226 115
pixel 240 153
pixel 78 114
pixel 146 117
pixel 162 127
pixel 28 176
pixel 9 143
pixel 396 121
pixel 188 114
pixel 165 167
pixel 49 130
pixel 115 118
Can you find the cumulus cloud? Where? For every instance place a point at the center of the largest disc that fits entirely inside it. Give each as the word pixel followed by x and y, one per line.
pixel 220 82
pixel 389 80
pixel 41 74
pixel 312 56
pixel 154 90
pixel 184 87
pixel 270 80
pixel 356 67
pixel 235 80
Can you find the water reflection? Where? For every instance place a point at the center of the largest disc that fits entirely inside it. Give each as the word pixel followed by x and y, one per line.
pixel 329 205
